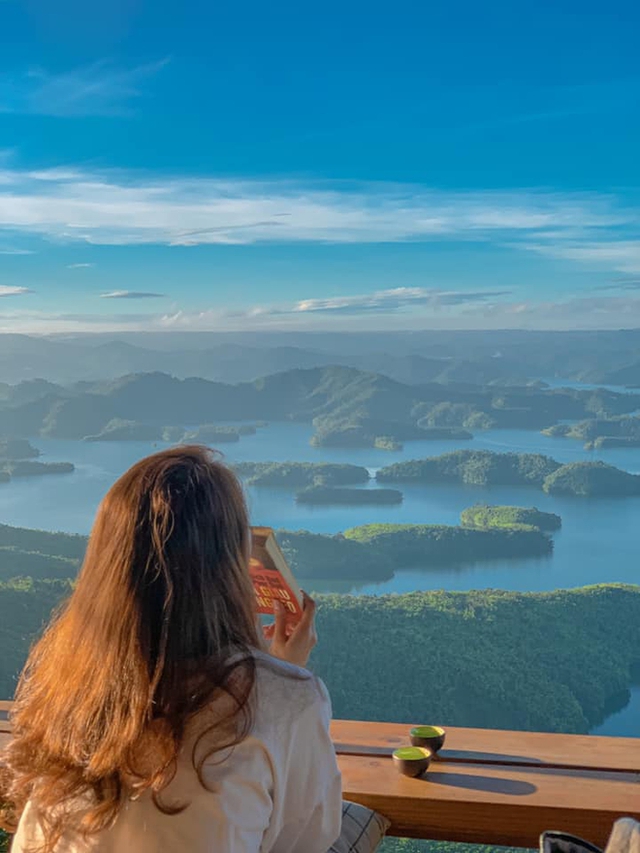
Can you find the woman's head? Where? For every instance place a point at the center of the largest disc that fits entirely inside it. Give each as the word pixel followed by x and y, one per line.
pixel 161 621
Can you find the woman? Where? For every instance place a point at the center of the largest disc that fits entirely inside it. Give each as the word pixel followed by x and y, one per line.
pixel 150 716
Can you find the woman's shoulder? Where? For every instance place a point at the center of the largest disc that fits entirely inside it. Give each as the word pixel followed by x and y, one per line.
pixel 286 689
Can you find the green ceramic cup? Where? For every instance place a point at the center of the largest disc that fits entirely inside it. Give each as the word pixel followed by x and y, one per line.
pixel 412 760
pixel 430 736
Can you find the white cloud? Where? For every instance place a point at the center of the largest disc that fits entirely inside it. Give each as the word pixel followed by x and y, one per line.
pixel 99 89
pixel 121 208
pixel 395 299
pixel 438 309
pixel 9 290
pixel 79 266
pixel 131 294
pixel 623 255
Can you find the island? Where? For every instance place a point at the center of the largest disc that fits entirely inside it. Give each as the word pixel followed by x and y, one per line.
pixel 118 429
pixel 486 468
pixel 476 467
pixel 352 497
pixel 592 479
pixel 425 545
pixel 601 433
pixel 483 516
pixel 378 433
pixel 605 442
pixel 27 468
pixel 213 434
pixel 301 473
pixel 386 442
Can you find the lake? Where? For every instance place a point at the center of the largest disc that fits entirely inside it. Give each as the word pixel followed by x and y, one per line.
pixel 599 541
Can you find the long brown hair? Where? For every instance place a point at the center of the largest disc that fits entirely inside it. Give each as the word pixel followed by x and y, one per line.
pixel 161 622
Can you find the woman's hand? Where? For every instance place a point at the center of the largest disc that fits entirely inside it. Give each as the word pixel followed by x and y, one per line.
pixel 293 641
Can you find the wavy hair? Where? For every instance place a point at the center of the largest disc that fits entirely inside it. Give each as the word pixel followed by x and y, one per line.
pixel 160 624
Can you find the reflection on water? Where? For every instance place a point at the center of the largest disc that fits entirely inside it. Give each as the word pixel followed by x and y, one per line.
pixel 623 723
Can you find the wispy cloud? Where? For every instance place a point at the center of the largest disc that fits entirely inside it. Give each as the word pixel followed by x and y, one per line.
pixel 623 255
pixel 131 294
pixel 623 282
pixel 417 302
pixel 16 252
pixel 124 208
pixel 394 299
pixel 100 89
pixel 10 290
pixel 79 266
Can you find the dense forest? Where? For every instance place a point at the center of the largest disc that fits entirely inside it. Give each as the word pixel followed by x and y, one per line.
pixel 486 658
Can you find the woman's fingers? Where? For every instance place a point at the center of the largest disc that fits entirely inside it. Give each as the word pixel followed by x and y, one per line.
pixel 280 624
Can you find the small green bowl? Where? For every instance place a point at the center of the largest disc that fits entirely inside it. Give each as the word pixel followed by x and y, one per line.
pixel 430 736
pixel 412 760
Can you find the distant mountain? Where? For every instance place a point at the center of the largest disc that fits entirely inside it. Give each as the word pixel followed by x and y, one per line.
pixel 480 358
pixel 330 397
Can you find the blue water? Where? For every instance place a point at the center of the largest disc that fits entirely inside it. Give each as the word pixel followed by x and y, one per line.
pixel 599 541
pixel 624 723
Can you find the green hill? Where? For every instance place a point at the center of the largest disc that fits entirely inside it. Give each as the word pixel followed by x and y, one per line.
pixel 533 661
pixel 538 661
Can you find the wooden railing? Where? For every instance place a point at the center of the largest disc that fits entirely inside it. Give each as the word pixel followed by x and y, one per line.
pixel 487 786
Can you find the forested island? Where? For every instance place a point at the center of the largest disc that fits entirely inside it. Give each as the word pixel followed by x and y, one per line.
pixel 301 474
pixel 29 468
pixel 327 495
pixel 119 429
pixel 359 431
pixel 18 459
pixel 485 468
pixel 369 553
pixel 473 467
pixel 424 545
pixel 599 433
pixel 483 516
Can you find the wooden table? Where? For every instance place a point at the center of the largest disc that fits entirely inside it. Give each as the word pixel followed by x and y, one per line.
pixel 487 786
pixel 493 787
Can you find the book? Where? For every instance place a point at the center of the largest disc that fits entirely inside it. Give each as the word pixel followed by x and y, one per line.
pixel 272 578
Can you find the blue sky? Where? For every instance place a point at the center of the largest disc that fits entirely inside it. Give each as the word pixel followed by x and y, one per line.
pixel 343 165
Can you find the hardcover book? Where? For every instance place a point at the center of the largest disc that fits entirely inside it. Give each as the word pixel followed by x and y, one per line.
pixel 272 578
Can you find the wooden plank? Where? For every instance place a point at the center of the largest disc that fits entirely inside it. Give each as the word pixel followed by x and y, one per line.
pixel 492 805
pixel 497 747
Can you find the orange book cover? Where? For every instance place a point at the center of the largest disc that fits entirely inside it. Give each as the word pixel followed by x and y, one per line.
pixel 272 578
